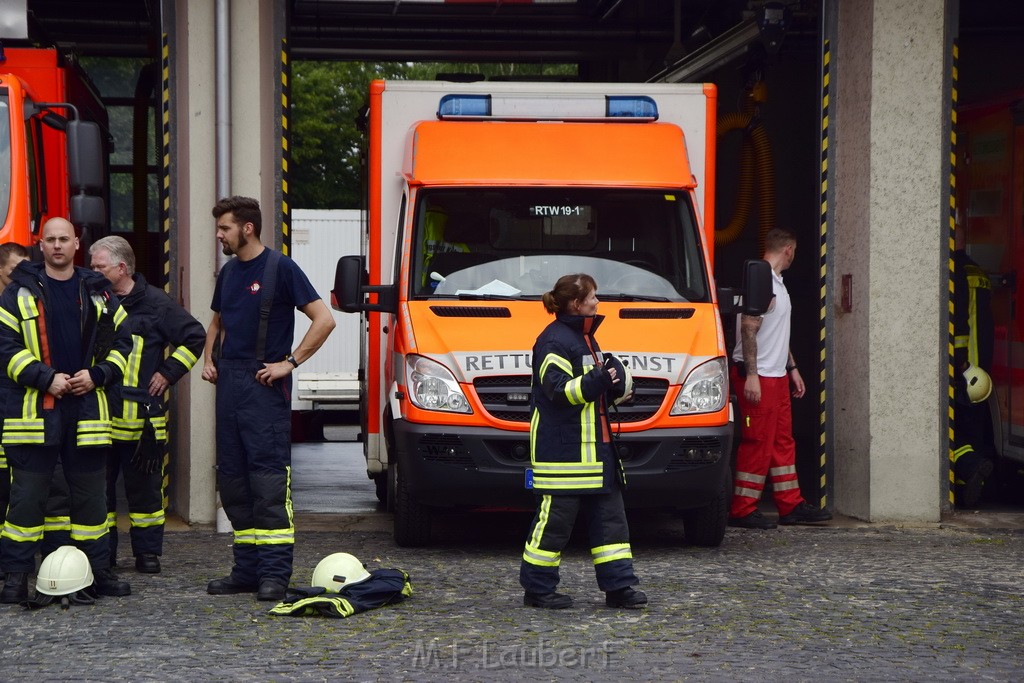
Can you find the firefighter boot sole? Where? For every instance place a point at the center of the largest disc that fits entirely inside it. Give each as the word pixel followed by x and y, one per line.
pixel 547 600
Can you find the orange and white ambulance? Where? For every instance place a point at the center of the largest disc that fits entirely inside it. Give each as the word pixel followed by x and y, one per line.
pixel 481 196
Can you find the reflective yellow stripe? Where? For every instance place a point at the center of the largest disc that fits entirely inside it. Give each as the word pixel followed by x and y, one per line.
pixel 245 536
pixel 554 359
pixel 962 451
pixel 611 552
pixel 22 534
pixel 146 519
pixel 59 523
pixel 118 359
pixel 541 558
pixel 543 515
pixel 111 520
pixel 567 483
pixel 27 304
pixel 19 361
pixel 7 319
pixel 185 357
pixel 134 362
pixel 275 536
pixel 93 532
pixel 560 468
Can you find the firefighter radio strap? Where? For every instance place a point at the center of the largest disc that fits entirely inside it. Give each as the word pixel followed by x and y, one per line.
pixel 382 587
pixel 267 290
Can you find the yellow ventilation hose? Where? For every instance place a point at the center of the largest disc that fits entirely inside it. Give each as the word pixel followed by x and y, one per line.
pixel 755 164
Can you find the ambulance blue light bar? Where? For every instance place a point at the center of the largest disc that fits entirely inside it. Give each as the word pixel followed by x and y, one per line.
pixel 631 108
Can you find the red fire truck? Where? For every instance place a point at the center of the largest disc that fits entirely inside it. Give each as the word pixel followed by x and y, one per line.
pixel 54 147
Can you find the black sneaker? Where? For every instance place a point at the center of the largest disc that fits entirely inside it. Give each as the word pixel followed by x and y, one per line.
pixel 229 586
pixel 547 600
pixel 105 582
pixel 271 590
pixel 147 563
pixel 15 588
pixel 755 520
pixel 805 514
pixel 626 597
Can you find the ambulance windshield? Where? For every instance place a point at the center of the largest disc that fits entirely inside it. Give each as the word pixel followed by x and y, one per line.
pixel 515 242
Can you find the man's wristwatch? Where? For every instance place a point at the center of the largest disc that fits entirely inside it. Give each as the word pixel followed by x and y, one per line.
pixel 790 368
pixel 291 359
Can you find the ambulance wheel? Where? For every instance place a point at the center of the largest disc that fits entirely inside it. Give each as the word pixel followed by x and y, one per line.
pixel 706 526
pixel 392 480
pixel 412 519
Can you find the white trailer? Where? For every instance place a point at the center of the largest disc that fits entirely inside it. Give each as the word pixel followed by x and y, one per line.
pixel 329 380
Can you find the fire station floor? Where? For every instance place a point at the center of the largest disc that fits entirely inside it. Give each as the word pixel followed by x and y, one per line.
pixel 848 601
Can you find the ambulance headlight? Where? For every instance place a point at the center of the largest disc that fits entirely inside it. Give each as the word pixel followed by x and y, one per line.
pixel 704 391
pixel 433 387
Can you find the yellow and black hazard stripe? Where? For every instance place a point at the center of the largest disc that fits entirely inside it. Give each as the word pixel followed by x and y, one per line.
pixel 286 219
pixel 823 285
pixel 951 342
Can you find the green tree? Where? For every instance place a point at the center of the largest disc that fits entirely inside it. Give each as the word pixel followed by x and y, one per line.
pixel 326 99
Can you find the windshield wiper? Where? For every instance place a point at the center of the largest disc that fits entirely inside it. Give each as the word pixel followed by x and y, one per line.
pixel 619 296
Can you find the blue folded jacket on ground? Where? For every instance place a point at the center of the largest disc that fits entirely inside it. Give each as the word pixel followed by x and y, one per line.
pixel 383 587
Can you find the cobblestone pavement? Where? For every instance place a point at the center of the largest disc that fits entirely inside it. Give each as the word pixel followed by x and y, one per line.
pixel 847 602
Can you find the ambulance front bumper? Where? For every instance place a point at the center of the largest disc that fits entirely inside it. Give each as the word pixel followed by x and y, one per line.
pixel 483 467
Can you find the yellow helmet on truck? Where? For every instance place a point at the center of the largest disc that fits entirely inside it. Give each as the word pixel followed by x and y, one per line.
pixel 979 384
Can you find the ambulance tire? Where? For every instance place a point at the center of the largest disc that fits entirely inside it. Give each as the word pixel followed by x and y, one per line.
pixel 706 526
pixel 412 519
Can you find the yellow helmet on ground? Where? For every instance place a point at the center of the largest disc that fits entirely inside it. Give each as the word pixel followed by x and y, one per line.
pixel 64 571
pixel 337 571
pixel 979 384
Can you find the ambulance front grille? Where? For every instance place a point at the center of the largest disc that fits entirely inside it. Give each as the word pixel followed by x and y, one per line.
pixel 445 448
pixel 695 450
pixel 507 397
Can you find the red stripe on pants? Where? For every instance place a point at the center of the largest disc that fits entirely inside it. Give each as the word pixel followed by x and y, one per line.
pixel 766 445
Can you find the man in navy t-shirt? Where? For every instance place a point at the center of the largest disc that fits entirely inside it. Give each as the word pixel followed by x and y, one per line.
pixel 252 371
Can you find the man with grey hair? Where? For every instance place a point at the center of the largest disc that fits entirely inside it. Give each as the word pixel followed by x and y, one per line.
pixel 139 414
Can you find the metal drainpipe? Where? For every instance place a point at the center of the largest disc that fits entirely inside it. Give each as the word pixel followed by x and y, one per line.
pixel 223 106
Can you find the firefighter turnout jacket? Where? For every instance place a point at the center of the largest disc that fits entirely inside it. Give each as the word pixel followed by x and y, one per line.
pixel 30 418
pixel 570 434
pixel 382 587
pixel 156 322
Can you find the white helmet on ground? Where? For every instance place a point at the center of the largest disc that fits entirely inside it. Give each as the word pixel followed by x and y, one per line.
pixel 64 571
pixel 337 571
pixel 979 384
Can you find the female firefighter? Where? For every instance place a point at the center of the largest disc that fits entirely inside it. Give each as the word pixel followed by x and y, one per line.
pixel 573 461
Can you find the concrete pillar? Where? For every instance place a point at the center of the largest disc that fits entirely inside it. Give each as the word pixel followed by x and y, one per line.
pixel 255 151
pixel 890 226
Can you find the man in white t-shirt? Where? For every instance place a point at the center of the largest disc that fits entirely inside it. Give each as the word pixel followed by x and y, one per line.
pixel 764 368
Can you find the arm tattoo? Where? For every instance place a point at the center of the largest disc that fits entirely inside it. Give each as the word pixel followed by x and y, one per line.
pixel 749 325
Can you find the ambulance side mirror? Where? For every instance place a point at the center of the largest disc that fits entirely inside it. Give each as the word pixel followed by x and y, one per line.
pixel 757 287
pixel 754 297
pixel 351 288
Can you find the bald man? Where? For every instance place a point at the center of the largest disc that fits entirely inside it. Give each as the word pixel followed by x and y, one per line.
pixel 62 342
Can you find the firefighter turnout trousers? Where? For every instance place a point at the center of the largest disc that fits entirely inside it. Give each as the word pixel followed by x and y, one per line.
pixel 32 496
pixel 254 470
pixel 767 449
pixel 608 532
pixel 145 494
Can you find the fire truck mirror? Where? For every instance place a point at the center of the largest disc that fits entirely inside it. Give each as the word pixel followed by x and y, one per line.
pixel 85 157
